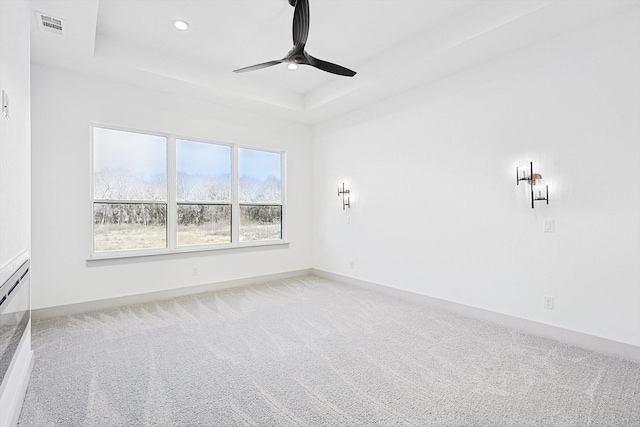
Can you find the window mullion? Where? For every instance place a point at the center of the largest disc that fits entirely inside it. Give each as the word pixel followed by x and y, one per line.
pixel 172 208
pixel 235 206
pixel 283 196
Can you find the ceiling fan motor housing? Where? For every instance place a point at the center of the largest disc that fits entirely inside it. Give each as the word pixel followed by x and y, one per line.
pixel 297 55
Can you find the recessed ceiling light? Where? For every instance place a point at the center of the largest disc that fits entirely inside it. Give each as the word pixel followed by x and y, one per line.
pixel 292 66
pixel 181 25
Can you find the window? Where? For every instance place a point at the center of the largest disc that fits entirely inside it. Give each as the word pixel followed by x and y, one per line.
pixel 203 192
pixel 161 194
pixel 129 190
pixel 259 190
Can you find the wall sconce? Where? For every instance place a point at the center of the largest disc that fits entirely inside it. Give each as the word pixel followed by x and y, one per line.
pixel 346 200
pixel 539 189
pixel 524 171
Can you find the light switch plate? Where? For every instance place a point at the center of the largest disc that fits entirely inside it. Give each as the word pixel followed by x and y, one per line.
pixel 549 226
pixel 5 104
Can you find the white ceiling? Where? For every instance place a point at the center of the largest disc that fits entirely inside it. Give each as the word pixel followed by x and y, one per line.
pixel 394 45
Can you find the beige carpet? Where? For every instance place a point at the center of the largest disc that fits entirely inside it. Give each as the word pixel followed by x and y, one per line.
pixel 312 352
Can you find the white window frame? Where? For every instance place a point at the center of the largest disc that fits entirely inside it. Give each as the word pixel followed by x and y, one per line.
pixel 172 202
pixel 173 172
pixel 236 192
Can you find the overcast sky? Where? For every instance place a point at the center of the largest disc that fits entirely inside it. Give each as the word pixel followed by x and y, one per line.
pixel 147 155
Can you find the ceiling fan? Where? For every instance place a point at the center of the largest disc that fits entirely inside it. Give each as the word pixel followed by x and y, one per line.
pixel 297 55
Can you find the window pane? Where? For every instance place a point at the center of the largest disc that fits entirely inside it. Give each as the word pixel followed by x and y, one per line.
pixel 129 166
pixel 203 171
pixel 260 223
pixel 204 224
pixel 125 226
pixel 259 173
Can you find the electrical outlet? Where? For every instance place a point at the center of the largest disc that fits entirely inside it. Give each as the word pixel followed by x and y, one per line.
pixel 548 303
pixel 194 271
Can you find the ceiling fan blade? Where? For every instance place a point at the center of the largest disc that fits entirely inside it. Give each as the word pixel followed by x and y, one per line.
pixel 301 23
pixel 258 66
pixel 329 67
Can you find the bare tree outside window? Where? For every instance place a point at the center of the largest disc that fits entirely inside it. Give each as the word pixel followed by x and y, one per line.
pixel 260 194
pixel 129 179
pixel 220 195
pixel 203 187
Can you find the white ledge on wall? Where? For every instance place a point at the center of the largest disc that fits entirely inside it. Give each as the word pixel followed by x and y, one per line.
pixel 122 255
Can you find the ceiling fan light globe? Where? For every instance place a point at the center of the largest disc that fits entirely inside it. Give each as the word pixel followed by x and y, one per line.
pixel 180 25
pixel 292 66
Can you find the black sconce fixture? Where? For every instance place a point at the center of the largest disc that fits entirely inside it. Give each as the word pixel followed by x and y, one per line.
pixel 539 190
pixel 346 200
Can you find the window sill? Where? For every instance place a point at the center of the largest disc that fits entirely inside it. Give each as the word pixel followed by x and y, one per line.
pixel 105 256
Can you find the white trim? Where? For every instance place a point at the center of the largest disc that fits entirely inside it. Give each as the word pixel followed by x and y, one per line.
pixel 174 202
pixel 129 202
pixel 90 217
pixel 283 194
pixel 235 189
pixel 83 307
pixel 15 386
pixel 10 267
pixel 171 201
pixel 171 227
pixel 184 249
pixel 92 199
pixel 579 339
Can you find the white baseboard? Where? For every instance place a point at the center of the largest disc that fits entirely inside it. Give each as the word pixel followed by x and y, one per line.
pixel 84 307
pixel 579 339
pixel 591 342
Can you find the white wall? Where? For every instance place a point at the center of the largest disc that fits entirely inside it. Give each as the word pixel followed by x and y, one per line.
pixel 15 187
pixel 15 132
pixel 64 105
pixel 435 207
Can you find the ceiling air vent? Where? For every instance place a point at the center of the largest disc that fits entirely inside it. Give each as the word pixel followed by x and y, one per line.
pixel 50 24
